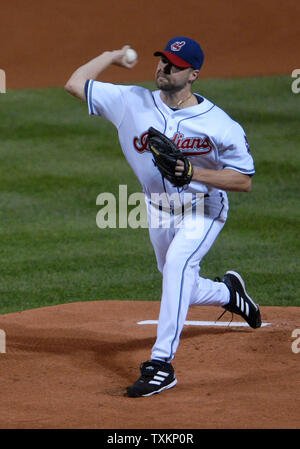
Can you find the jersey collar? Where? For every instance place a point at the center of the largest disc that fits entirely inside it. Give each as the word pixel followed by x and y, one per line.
pixel 199 108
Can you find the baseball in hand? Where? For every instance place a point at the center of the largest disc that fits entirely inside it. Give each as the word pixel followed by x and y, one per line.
pixel 130 55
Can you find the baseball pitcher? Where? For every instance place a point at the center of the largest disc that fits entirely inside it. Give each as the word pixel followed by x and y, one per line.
pixel 183 147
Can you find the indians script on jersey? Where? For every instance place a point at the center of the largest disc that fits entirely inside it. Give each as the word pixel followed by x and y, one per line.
pixel 190 146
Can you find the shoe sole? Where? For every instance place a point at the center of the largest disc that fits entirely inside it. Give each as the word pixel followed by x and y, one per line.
pixel 237 275
pixel 171 385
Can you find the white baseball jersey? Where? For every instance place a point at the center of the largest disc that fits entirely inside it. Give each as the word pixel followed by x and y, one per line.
pixel 203 132
pixel 212 140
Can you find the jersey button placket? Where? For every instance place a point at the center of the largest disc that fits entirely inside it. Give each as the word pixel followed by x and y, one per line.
pixel 170 127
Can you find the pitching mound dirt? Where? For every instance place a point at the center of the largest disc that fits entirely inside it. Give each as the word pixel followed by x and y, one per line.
pixel 68 366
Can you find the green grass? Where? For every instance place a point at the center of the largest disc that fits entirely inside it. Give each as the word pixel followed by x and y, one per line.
pixel 55 160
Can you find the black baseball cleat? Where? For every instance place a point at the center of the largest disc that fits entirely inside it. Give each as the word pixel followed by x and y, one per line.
pixel 240 302
pixel 156 376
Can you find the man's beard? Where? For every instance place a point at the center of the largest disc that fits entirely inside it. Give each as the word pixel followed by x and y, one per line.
pixel 164 83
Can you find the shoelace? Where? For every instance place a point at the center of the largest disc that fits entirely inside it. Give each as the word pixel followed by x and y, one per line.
pixel 217 279
pixel 148 373
pixel 223 314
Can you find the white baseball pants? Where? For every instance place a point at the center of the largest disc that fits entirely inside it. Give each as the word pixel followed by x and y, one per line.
pixel 179 252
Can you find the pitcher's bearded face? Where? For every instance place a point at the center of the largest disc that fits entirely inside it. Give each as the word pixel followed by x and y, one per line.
pixel 169 77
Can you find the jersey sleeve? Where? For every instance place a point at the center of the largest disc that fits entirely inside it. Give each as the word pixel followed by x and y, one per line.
pixel 235 152
pixel 106 100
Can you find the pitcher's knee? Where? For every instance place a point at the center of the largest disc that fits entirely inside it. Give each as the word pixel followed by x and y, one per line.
pixel 172 261
pixel 176 264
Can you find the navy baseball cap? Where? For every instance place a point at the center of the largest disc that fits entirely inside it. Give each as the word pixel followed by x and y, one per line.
pixel 183 52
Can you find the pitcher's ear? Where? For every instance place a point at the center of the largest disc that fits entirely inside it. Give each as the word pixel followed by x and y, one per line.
pixel 195 74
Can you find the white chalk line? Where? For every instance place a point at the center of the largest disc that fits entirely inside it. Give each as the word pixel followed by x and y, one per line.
pixel 208 323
